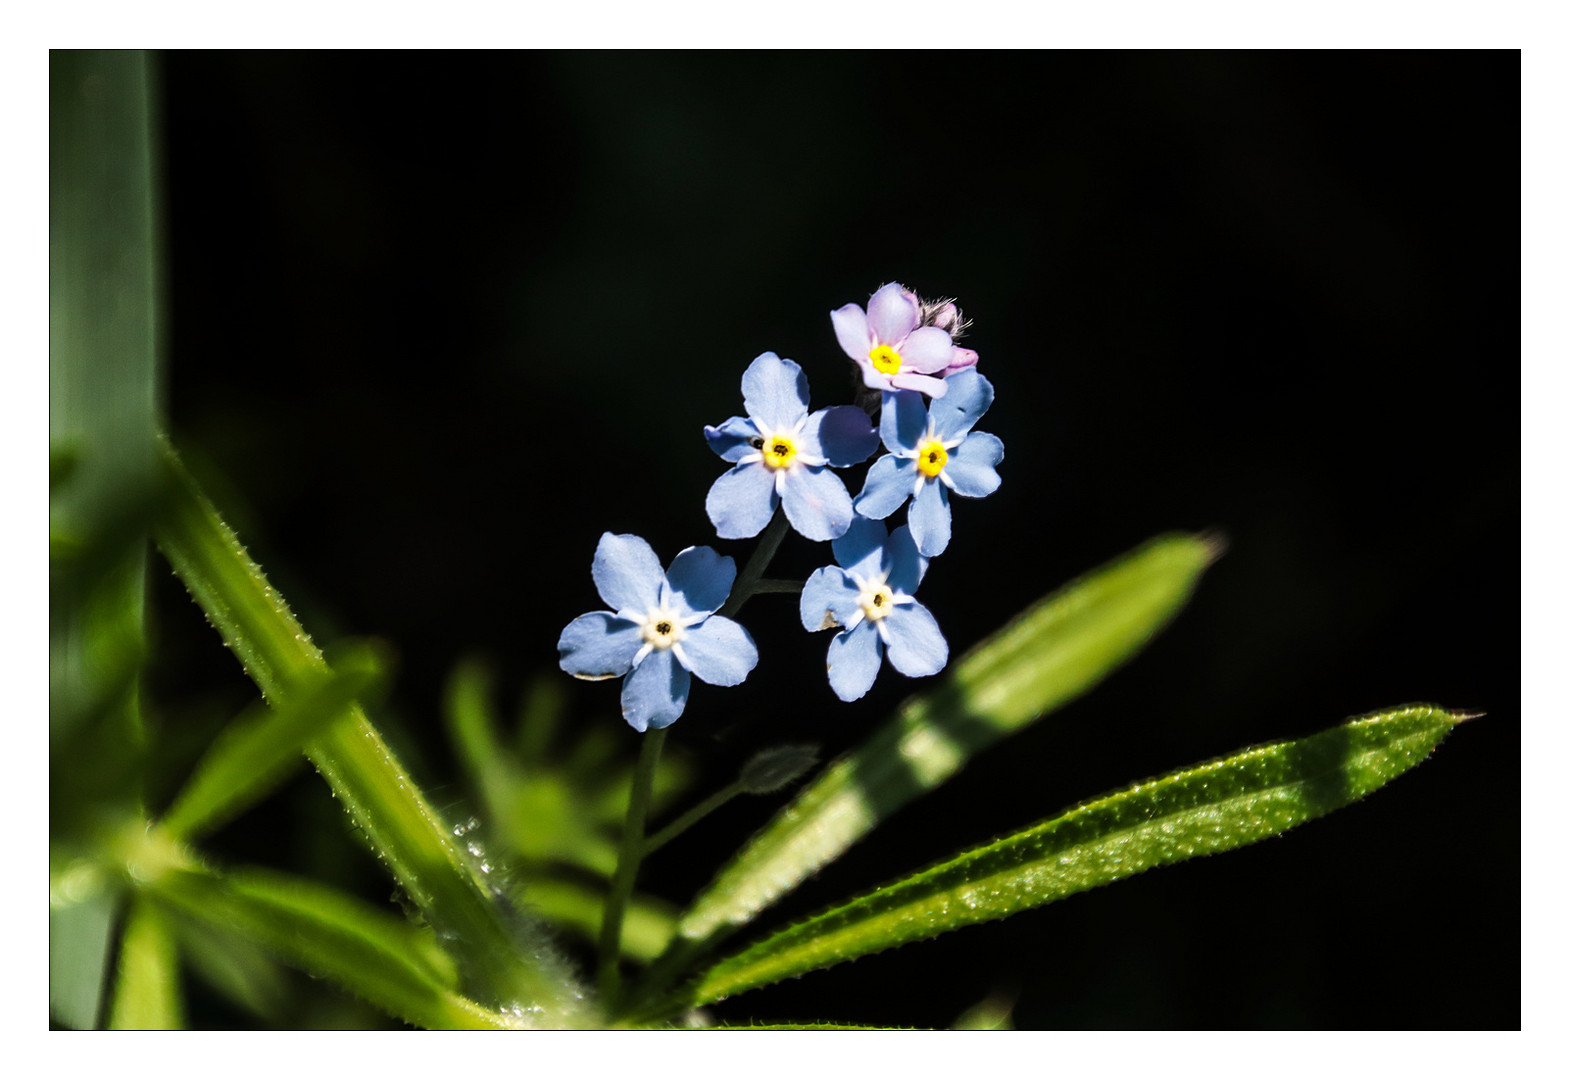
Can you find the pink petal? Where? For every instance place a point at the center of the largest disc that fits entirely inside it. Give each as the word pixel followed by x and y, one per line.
pixel 927 350
pixel 933 388
pixel 892 315
pixel 850 327
pixel 960 360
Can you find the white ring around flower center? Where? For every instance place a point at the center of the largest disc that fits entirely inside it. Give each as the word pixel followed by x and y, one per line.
pixel 663 627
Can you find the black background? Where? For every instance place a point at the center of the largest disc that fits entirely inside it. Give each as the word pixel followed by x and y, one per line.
pixel 439 320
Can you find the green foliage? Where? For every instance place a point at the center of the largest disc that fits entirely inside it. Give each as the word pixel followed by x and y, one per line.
pixel 257 751
pixel 1053 652
pixel 395 966
pixel 505 962
pixel 147 987
pixel 102 415
pixel 1200 810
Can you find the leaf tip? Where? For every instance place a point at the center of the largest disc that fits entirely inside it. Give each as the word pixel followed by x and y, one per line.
pixel 1215 542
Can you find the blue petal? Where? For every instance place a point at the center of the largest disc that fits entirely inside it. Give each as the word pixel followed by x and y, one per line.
pixel 742 501
pixel 732 440
pixel 656 692
pixel 627 573
pixel 828 599
pixel 860 550
pixel 904 420
pixel 969 396
pixel 904 563
pixel 889 483
pixel 854 659
pixel 775 391
pixel 972 464
pixel 719 651
pixel 701 578
pixel 817 503
pixel 916 645
pixel 843 434
pixel 599 646
pixel 929 519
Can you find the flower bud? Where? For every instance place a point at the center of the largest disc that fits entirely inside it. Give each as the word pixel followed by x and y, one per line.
pixel 769 770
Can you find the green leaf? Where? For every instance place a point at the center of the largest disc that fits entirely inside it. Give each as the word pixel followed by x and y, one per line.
pixel 378 956
pixel 255 753
pixel 238 971
pixel 505 961
pixel 646 928
pixel 147 990
pixel 80 935
pixel 1053 652
pixel 1200 810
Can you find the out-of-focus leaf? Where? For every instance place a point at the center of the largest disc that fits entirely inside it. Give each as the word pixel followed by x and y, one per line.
pixel 103 350
pixel 256 752
pixel 238 970
pixel 1200 810
pixel 646 929
pixel 80 934
pixel 1053 652
pixel 147 986
pixel 381 958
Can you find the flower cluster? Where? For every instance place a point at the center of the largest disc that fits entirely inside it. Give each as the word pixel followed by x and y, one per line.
pixel 665 625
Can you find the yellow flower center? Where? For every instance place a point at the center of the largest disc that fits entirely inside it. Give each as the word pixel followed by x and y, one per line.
pixel 779 451
pixel 932 459
pixel 876 601
pixel 885 360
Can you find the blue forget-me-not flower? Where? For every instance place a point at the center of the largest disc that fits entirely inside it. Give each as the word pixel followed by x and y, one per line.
pixel 933 452
pixel 781 454
pixel 663 629
pixel 868 597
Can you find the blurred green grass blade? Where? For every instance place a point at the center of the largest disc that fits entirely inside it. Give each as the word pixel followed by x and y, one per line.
pixel 377 956
pixel 238 970
pixel 1050 654
pixel 103 276
pixel 80 936
pixel 646 929
pixel 506 962
pixel 255 753
pixel 1200 810
pixel 147 987
pixel 471 721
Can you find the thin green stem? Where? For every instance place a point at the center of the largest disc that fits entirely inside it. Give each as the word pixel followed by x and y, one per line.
pixel 777 585
pixel 627 864
pixel 692 817
pixel 748 581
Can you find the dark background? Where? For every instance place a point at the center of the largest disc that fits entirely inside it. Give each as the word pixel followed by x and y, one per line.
pixel 439 320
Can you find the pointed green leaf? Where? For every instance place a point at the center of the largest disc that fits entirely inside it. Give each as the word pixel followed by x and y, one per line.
pixel 1053 652
pixel 1200 810
pixel 147 989
pixel 378 956
pixel 256 752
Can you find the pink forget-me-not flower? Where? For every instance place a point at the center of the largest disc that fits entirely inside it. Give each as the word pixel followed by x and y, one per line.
pixel 781 453
pixel 868 598
pixel 933 452
pixel 900 343
pixel 663 629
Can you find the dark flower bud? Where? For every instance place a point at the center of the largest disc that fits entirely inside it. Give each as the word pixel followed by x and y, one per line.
pixel 769 770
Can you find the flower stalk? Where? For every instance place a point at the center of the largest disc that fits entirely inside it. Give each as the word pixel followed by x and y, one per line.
pixel 627 860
